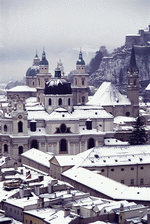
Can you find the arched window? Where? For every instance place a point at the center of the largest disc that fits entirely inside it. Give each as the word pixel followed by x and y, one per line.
pixel 63 146
pixel 20 126
pixel 63 128
pixel 91 143
pixel 5 127
pixel 134 82
pixel 69 101
pixel 34 144
pixel 75 81
pixel 83 82
pixel 60 102
pixel 5 148
pixel 20 150
pixel 50 101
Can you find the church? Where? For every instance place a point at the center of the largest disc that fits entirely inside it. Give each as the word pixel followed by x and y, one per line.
pixel 50 115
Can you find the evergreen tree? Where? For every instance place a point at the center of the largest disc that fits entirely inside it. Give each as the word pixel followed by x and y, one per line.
pixel 139 135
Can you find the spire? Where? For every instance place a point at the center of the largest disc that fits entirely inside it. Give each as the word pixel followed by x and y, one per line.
pixel 80 61
pixel 132 59
pixel 80 55
pixel 36 56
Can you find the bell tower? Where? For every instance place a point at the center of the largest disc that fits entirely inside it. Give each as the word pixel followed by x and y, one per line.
pixel 80 83
pixel 133 85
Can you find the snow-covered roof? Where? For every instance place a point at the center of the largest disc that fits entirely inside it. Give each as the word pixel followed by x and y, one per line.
pixel 108 95
pixel 23 88
pixel 113 141
pixel 38 156
pixel 106 186
pixel 91 112
pixel 123 119
pixel 117 155
pixel 148 87
pixel 52 216
pixel 61 113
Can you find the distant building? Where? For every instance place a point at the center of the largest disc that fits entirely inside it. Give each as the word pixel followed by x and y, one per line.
pixel 113 101
pixel 141 39
pixel 80 83
pixel 53 123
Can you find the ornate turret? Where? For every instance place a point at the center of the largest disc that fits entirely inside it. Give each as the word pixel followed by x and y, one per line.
pixel 133 84
pixel 44 65
pixel 34 69
pixel 58 93
pixel 80 83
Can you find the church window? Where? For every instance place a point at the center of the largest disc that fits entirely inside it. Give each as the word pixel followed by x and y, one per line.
pixel 128 81
pixel 20 126
pixel 91 143
pixel 63 128
pixel 34 144
pixel 33 126
pixel 134 82
pixel 75 81
pixel 83 82
pixel 20 150
pixel 60 102
pixel 50 101
pixel 5 127
pixel 63 146
pixel 5 148
pixel 127 113
pixel 69 101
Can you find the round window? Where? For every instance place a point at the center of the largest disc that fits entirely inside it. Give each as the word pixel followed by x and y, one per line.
pixel 63 128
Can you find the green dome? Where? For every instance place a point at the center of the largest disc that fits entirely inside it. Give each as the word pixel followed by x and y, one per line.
pixel 43 61
pixel 32 71
pixel 80 61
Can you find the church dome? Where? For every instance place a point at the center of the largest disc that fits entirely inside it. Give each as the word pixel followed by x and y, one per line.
pixel 58 85
pixel 43 61
pixel 32 71
pixel 80 60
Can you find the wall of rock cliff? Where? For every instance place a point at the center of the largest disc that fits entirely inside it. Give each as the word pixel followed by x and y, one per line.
pixel 114 68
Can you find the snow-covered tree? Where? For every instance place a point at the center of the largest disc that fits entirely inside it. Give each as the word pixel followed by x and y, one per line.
pixel 139 135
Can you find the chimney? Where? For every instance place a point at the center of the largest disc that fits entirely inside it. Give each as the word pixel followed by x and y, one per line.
pixel 66 212
pixel 49 188
pixel 21 192
pixel 37 190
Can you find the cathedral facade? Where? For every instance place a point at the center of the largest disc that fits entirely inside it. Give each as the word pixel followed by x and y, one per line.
pixel 58 124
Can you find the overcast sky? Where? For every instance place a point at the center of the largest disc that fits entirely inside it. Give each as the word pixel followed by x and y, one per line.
pixel 62 27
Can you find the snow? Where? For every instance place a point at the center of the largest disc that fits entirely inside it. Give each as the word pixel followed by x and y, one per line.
pixel 116 191
pixel 114 142
pixel 117 155
pixel 23 88
pixel 91 112
pixel 38 156
pixel 108 95
pixel 123 119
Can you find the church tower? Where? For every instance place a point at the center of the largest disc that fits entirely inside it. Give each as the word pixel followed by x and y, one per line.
pixel 80 83
pixel 133 85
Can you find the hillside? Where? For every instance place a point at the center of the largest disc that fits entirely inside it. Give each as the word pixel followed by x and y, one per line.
pixel 114 68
